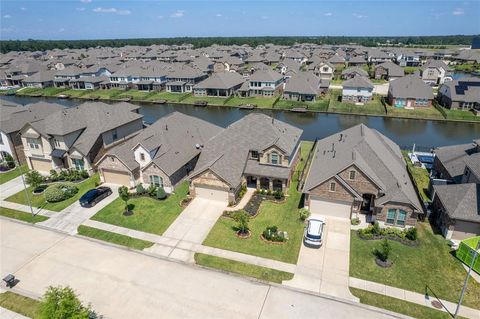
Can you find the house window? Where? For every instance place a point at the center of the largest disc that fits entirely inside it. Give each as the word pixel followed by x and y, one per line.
pixel 79 164
pixel 56 143
pixel 142 156
pixel 352 175
pixel 254 154
pixel 33 143
pixel 332 186
pixel 114 134
pixel 274 158
pixel 396 217
pixel 156 180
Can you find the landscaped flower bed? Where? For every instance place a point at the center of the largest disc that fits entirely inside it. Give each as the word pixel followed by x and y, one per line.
pixel 254 203
pixel 407 236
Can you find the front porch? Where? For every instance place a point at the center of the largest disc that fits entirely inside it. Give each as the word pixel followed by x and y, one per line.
pixel 266 183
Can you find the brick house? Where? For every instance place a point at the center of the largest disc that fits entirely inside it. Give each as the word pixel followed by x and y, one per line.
pixel 361 172
pixel 410 92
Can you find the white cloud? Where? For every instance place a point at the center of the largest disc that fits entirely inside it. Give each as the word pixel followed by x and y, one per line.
pixel 458 12
pixel 86 1
pixel 112 10
pixel 23 9
pixel 218 15
pixel 7 30
pixel 80 9
pixel 178 14
pixel 7 16
pixel 359 16
pixel 328 14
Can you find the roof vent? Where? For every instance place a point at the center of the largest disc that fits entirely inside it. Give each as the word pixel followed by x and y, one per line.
pixel 198 146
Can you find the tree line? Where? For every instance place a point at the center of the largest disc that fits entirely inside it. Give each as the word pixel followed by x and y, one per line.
pixel 427 41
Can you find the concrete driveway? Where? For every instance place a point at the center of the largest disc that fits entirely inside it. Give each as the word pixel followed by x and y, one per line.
pixel 196 220
pixel 326 270
pixel 11 187
pixel 70 218
pixel 125 284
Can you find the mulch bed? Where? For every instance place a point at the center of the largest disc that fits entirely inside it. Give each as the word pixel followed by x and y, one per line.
pixel 185 201
pixel 253 205
pixel 243 236
pixel 407 242
pixel 384 264
pixel 272 242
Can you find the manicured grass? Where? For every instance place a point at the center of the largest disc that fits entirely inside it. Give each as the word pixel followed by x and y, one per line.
pixel 430 264
pixel 170 97
pixel 419 112
pixel 320 105
pixel 29 91
pixel 5 177
pixel 17 303
pixel 260 102
pixel 210 100
pixel 373 107
pixel 136 95
pixel 104 94
pixel 149 214
pixel 420 177
pixel 461 115
pixel 114 238
pixel 26 217
pixel 76 93
pixel 410 69
pixel 39 200
pixel 283 215
pixel 237 267
pixel 400 306
pixel 52 91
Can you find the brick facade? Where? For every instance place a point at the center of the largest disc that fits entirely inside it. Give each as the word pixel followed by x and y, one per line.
pixel 361 183
pixel 322 191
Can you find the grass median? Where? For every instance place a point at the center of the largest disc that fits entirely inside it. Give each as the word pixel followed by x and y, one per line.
pixel 23 216
pixel 114 238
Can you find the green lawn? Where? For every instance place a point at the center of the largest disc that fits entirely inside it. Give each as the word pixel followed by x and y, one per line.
pixel 420 177
pixel 39 200
pixel 396 305
pixel 17 303
pixel 104 94
pixel 114 238
pixel 431 263
pixel 52 91
pixel 5 177
pixel 211 100
pixel 76 93
pixel 26 217
pixel 461 115
pixel 29 91
pixel 237 267
pixel 419 112
pixel 149 215
pixel 136 95
pixel 170 97
pixel 320 105
pixel 259 101
pixel 373 107
pixel 284 215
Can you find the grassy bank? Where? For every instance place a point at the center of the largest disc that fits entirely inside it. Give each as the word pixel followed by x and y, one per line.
pixel 23 216
pixel 17 303
pixel 237 267
pixel 113 238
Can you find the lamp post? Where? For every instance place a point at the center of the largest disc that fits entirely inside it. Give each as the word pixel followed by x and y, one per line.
pixel 475 255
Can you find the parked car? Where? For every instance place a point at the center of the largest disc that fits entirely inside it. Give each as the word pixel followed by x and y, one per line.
pixel 314 233
pixel 93 196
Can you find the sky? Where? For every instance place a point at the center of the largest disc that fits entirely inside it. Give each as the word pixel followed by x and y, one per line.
pixel 106 19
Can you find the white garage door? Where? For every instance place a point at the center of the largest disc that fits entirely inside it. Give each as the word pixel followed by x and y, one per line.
pixel 41 165
pixel 116 177
pixel 329 209
pixel 212 194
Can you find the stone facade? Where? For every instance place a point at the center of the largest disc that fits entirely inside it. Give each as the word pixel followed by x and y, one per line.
pixel 381 214
pixel 341 193
pixel 210 179
pixel 361 183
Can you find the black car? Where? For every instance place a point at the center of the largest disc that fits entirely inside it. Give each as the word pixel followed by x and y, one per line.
pixel 93 196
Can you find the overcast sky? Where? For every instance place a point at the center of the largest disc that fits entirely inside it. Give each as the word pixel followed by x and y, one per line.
pixel 99 19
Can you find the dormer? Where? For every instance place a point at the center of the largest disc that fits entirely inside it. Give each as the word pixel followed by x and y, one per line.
pixel 273 155
pixel 142 155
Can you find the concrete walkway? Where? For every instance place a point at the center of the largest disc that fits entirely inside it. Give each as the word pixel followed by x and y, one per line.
pixel 7 314
pixel 243 201
pixel 182 250
pixel 411 296
pixel 11 187
pixel 26 209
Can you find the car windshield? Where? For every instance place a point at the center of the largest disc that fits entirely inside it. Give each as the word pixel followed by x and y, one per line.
pixel 90 194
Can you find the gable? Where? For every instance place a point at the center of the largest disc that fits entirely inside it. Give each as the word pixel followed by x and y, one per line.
pixel 362 184
pixel 208 177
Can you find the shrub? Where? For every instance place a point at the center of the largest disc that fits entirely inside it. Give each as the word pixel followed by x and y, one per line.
pixel 271 233
pixel 304 214
pixel 53 175
pixel 60 191
pixel 375 229
pixel 355 221
pixel 242 218
pixel 140 189
pixel 152 190
pixel 411 233
pixel 278 195
pixel 384 252
pixel 62 302
pixel 9 159
pixel 34 179
pixel 84 174
pixel 124 195
pixel 161 193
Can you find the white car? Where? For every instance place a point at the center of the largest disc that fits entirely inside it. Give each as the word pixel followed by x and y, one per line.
pixel 314 231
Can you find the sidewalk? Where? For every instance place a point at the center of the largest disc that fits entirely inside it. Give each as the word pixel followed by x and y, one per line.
pixel 11 187
pixel 26 209
pixel 184 251
pixel 7 314
pixel 411 296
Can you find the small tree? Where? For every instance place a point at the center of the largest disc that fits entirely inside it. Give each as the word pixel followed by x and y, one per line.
pixel 62 302
pixel 242 218
pixel 9 159
pixel 384 252
pixel 34 179
pixel 140 189
pixel 161 193
pixel 124 195
pixel 304 214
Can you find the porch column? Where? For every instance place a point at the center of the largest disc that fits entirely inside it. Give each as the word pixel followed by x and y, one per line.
pixel 258 182
pixel 284 186
pixel 270 184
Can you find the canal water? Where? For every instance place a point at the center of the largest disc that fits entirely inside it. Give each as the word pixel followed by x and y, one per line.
pixel 405 132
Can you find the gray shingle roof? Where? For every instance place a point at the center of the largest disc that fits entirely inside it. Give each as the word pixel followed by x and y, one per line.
pixel 303 83
pixel 393 69
pixel 461 201
pixel 221 80
pixel 373 153
pixel 265 75
pixel 410 86
pixel 226 154
pixel 14 118
pixel 358 82
pixel 454 158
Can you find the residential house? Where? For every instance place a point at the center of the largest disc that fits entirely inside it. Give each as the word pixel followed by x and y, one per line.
pixel 409 91
pixel 74 137
pixel 41 79
pixel 461 94
pixel 358 60
pixel 435 72
pixel 182 79
pixel 145 77
pixel 264 83
pixel 359 171
pixel 236 157
pixel 162 154
pixel 375 56
pixel 304 86
pixel 388 71
pixel 351 72
pixel 407 58
pixel 357 90
pixel 221 84
pixel 323 69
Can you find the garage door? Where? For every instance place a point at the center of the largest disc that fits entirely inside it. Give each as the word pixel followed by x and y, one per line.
pixel 212 194
pixel 116 177
pixel 330 209
pixel 41 165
